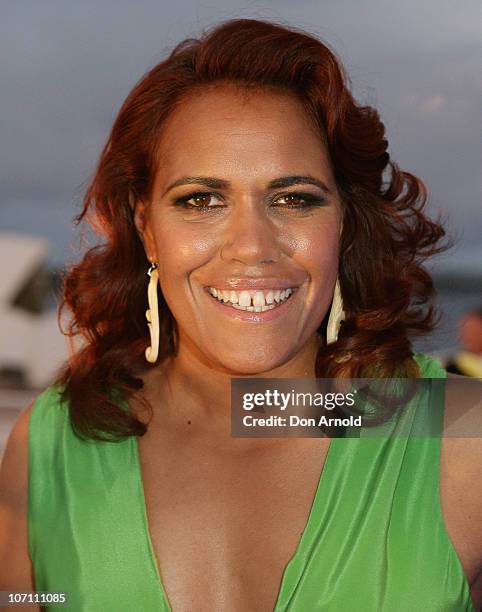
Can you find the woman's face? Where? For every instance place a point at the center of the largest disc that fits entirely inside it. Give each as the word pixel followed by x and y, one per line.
pixel 244 224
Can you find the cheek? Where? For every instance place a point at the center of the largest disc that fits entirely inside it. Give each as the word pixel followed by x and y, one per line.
pixel 181 249
pixel 317 250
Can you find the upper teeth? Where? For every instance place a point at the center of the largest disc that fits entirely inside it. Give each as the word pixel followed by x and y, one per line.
pixel 257 300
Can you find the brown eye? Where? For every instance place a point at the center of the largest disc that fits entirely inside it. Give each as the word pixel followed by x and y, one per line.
pixel 298 200
pixel 199 200
pixel 292 198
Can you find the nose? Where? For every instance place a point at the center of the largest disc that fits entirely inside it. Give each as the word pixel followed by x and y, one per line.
pixel 251 237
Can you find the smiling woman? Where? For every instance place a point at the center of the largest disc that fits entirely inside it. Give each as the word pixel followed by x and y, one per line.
pixel 248 217
pixel 254 226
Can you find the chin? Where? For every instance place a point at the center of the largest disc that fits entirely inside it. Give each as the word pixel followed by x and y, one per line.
pixel 250 370
pixel 252 365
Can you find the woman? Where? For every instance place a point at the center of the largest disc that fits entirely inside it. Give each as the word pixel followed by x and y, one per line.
pixel 242 176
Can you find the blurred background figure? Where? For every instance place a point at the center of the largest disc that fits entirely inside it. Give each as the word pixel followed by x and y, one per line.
pixel 468 360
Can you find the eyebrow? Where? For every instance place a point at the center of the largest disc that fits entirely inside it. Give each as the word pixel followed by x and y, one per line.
pixel 279 183
pixel 288 181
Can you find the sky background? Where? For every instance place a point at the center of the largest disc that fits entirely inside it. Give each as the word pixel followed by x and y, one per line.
pixel 66 67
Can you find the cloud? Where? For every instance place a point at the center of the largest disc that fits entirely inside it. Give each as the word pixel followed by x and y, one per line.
pixel 433 104
pixel 425 104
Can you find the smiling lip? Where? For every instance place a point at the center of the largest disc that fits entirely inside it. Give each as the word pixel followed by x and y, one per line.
pixel 247 283
pixel 253 317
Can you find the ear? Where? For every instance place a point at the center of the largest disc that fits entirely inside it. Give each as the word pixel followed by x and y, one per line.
pixel 143 226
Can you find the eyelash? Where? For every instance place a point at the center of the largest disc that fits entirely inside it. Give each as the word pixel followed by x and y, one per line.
pixel 310 200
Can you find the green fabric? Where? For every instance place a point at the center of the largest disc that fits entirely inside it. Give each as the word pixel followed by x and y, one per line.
pixel 375 539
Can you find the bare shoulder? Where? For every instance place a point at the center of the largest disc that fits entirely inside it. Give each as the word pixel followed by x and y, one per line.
pixel 460 469
pixel 14 469
pixel 15 566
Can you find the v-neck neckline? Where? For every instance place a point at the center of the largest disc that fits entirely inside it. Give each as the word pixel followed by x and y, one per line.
pixel 299 548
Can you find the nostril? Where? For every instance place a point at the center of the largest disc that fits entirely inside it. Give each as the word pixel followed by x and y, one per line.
pixel 250 253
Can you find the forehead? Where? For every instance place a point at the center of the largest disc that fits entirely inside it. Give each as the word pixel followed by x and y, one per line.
pixel 226 129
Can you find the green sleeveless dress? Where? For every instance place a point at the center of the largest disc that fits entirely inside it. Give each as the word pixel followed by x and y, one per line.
pixel 375 540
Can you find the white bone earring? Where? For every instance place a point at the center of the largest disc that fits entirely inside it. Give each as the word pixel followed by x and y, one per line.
pixel 152 315
pixel 337 315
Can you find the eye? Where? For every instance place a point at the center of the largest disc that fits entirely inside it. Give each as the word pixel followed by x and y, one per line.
pixel 199 200
pixel 298 200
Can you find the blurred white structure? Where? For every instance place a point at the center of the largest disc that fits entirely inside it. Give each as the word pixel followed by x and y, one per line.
pixel 30 340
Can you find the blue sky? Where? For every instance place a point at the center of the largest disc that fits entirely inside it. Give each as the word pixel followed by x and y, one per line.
pixel 65 68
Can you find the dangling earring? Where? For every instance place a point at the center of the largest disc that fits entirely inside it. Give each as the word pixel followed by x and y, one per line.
pixel 337 315
pixel 152 315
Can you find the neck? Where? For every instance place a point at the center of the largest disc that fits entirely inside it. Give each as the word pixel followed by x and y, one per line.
pixel 192 390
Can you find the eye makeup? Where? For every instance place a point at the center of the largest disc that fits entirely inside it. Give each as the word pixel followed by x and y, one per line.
pixel 305 200
pixel 201 197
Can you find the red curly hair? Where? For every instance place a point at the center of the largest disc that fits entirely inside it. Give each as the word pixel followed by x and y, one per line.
pixel 386 236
